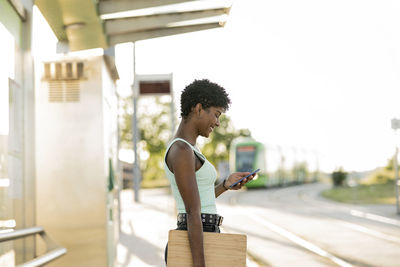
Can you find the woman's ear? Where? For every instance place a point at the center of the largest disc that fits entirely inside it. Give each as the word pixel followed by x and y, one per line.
pixel 198 108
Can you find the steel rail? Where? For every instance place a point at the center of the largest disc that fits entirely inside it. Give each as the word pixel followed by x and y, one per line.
pixel 20 233
pixel 44 259
pixel 49 256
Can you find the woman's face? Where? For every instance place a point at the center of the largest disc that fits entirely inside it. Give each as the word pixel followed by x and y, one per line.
pixel 209 119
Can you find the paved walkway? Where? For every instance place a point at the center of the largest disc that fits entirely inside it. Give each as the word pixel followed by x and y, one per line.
pixel 144 228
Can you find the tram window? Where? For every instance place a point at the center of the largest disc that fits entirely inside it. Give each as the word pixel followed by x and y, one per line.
pixel 245 158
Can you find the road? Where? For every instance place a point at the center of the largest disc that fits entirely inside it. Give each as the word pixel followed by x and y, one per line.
pixel 294 226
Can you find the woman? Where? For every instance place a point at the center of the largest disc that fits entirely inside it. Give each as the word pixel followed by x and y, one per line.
pixel 192 177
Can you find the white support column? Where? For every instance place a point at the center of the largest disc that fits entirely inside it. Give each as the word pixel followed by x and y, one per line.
pixel 119 167
pixel 173 123
pixel 135 131
pixel 396 175
pixel 29 159
pixel 395 127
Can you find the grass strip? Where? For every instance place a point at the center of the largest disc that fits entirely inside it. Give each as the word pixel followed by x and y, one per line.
pixel 363 194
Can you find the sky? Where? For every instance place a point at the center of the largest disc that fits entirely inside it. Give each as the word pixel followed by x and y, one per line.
pixel 317 75
pixel 314 74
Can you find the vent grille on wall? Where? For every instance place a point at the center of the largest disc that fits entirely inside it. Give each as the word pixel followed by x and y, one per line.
pixel 64 91
pixel 64 70
pixel 64 80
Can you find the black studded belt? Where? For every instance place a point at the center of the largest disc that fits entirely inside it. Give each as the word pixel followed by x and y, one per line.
pixel 206 218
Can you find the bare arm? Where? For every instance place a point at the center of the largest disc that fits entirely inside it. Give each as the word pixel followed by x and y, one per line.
pixel 220 188
pixel 181 161
pixel 224 185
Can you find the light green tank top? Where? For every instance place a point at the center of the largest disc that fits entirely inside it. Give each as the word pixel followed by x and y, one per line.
pixel 205 178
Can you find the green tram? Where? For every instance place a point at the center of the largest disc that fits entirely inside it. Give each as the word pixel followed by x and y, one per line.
pixel 279 165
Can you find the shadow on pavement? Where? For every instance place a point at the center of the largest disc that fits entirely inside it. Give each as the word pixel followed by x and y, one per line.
pixel 140 248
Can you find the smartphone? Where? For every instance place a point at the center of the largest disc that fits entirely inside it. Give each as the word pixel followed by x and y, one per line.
pixel 244 178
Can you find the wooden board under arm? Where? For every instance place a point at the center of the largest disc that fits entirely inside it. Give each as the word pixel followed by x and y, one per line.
pixel 221 250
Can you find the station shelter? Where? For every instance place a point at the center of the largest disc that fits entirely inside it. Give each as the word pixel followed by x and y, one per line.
pixel 59 178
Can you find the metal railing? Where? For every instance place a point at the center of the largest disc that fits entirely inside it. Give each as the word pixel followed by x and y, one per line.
pixel 54 251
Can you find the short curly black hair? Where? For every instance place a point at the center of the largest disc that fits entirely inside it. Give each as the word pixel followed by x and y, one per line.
pixel 207 93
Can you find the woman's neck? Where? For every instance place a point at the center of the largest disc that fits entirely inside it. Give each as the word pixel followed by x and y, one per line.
pixel 186 131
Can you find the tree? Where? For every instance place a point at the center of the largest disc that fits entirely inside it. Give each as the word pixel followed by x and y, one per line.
pixel 125 122
pixel 300 171
pixel 154 118
pixel 382 175
pixel 390 165
pixel 338 177
pixel 155 131
pixel 217 146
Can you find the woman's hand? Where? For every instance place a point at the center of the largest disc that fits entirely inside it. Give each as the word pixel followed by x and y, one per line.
pixel 234 177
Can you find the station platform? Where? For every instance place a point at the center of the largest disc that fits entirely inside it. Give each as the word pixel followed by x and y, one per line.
pixel 144 228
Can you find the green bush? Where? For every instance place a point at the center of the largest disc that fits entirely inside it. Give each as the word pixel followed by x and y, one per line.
pixel 382 175
pixel 338 177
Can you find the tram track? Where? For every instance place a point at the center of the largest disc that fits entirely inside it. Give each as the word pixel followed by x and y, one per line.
pixel 306 198
pixel 309 200
pixel 281 198
pixel 295 239
pixel 300 241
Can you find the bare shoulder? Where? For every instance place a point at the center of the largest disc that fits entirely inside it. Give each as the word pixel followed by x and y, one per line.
pixel 179 150
pixel 179 154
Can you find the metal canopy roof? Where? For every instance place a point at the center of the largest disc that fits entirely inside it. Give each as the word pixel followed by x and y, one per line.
pixel 85 24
